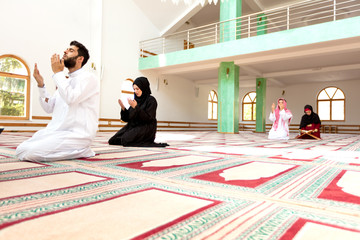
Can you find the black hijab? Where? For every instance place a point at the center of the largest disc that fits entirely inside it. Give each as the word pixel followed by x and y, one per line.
pixel 144 85
pixel 313 118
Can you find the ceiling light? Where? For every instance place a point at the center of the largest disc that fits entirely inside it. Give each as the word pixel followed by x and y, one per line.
pixel 189 2
pixel 317 69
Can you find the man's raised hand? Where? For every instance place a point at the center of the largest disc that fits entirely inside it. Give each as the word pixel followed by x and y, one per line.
pixel 57 64
pixel 39 79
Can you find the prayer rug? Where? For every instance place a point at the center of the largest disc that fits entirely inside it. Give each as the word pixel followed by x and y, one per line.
pixel 205 185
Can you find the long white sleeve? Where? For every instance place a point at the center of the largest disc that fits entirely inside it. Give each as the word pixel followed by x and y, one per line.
pixel 73 92
pixel 283 115
pixel 77 103
pixel 48 105
pixel 287 116
pixel 272 117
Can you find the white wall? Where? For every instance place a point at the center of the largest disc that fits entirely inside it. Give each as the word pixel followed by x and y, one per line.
pixel 111 30
pixel 178 99
pixel 200 105
pixel 297 96
pixel 34 30
pixel 37 29
pixel 124 26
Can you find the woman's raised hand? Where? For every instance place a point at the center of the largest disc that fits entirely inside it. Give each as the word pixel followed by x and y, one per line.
pixel 121 104
pixel 132 103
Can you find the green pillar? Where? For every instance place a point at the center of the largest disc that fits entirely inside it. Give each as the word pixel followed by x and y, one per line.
pixel 228 88
pixel 260 104
pixel 230 30
pixel 228 102
pixel 261 24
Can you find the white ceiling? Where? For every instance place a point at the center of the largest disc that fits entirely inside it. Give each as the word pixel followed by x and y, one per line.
pixel 169 17
pixel 210 12
pixel 326 62
pixel 166 16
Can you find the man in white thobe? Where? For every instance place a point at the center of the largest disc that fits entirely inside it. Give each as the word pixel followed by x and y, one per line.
pixel 74 107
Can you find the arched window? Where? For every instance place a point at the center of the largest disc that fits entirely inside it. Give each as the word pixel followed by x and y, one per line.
pixel 331 104
pixel 14 88
pixel 127 91
pixel 249 107
pixel 212 105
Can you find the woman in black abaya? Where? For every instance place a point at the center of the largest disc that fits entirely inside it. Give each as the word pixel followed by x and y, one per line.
pixel 310 124
pixel 141 121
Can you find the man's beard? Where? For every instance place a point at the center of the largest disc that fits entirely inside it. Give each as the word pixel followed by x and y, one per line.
pixel 70 62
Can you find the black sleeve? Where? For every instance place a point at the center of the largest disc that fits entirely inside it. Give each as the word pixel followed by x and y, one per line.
pixel 124 115
pixel 302 122
pixel 317 119
pixel 147 113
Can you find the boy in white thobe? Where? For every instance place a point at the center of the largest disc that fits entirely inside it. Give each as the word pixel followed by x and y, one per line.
pixel 75 108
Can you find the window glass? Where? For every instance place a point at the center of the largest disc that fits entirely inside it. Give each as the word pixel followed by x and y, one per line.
pixel 12 65
pixel 215 111
pixel 247 99
pixel 254 111
pixel 339 95
pixel 210 110
pixel 331 91
pixel 249 107
pixel 247 112
pixel 212 105
pixel 331 104
pixel 12 97
pixel 14 88
pixel 252 96
pixel 323 95
pixel 324 110
pixel 127 92
pixel 337 112
pixel 127 85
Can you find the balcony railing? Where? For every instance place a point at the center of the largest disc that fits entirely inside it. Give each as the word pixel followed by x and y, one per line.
pixel 279 19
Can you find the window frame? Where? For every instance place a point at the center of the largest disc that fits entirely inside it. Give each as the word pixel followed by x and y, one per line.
pixel 331 101
pixel 28 86
pixel 253 103
pixel 125 91
pixel 212 101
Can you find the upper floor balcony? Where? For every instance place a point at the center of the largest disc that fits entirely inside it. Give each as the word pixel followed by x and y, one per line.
pixel 308 22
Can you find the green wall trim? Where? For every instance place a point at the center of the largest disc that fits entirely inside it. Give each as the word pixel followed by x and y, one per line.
pixel 335 30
